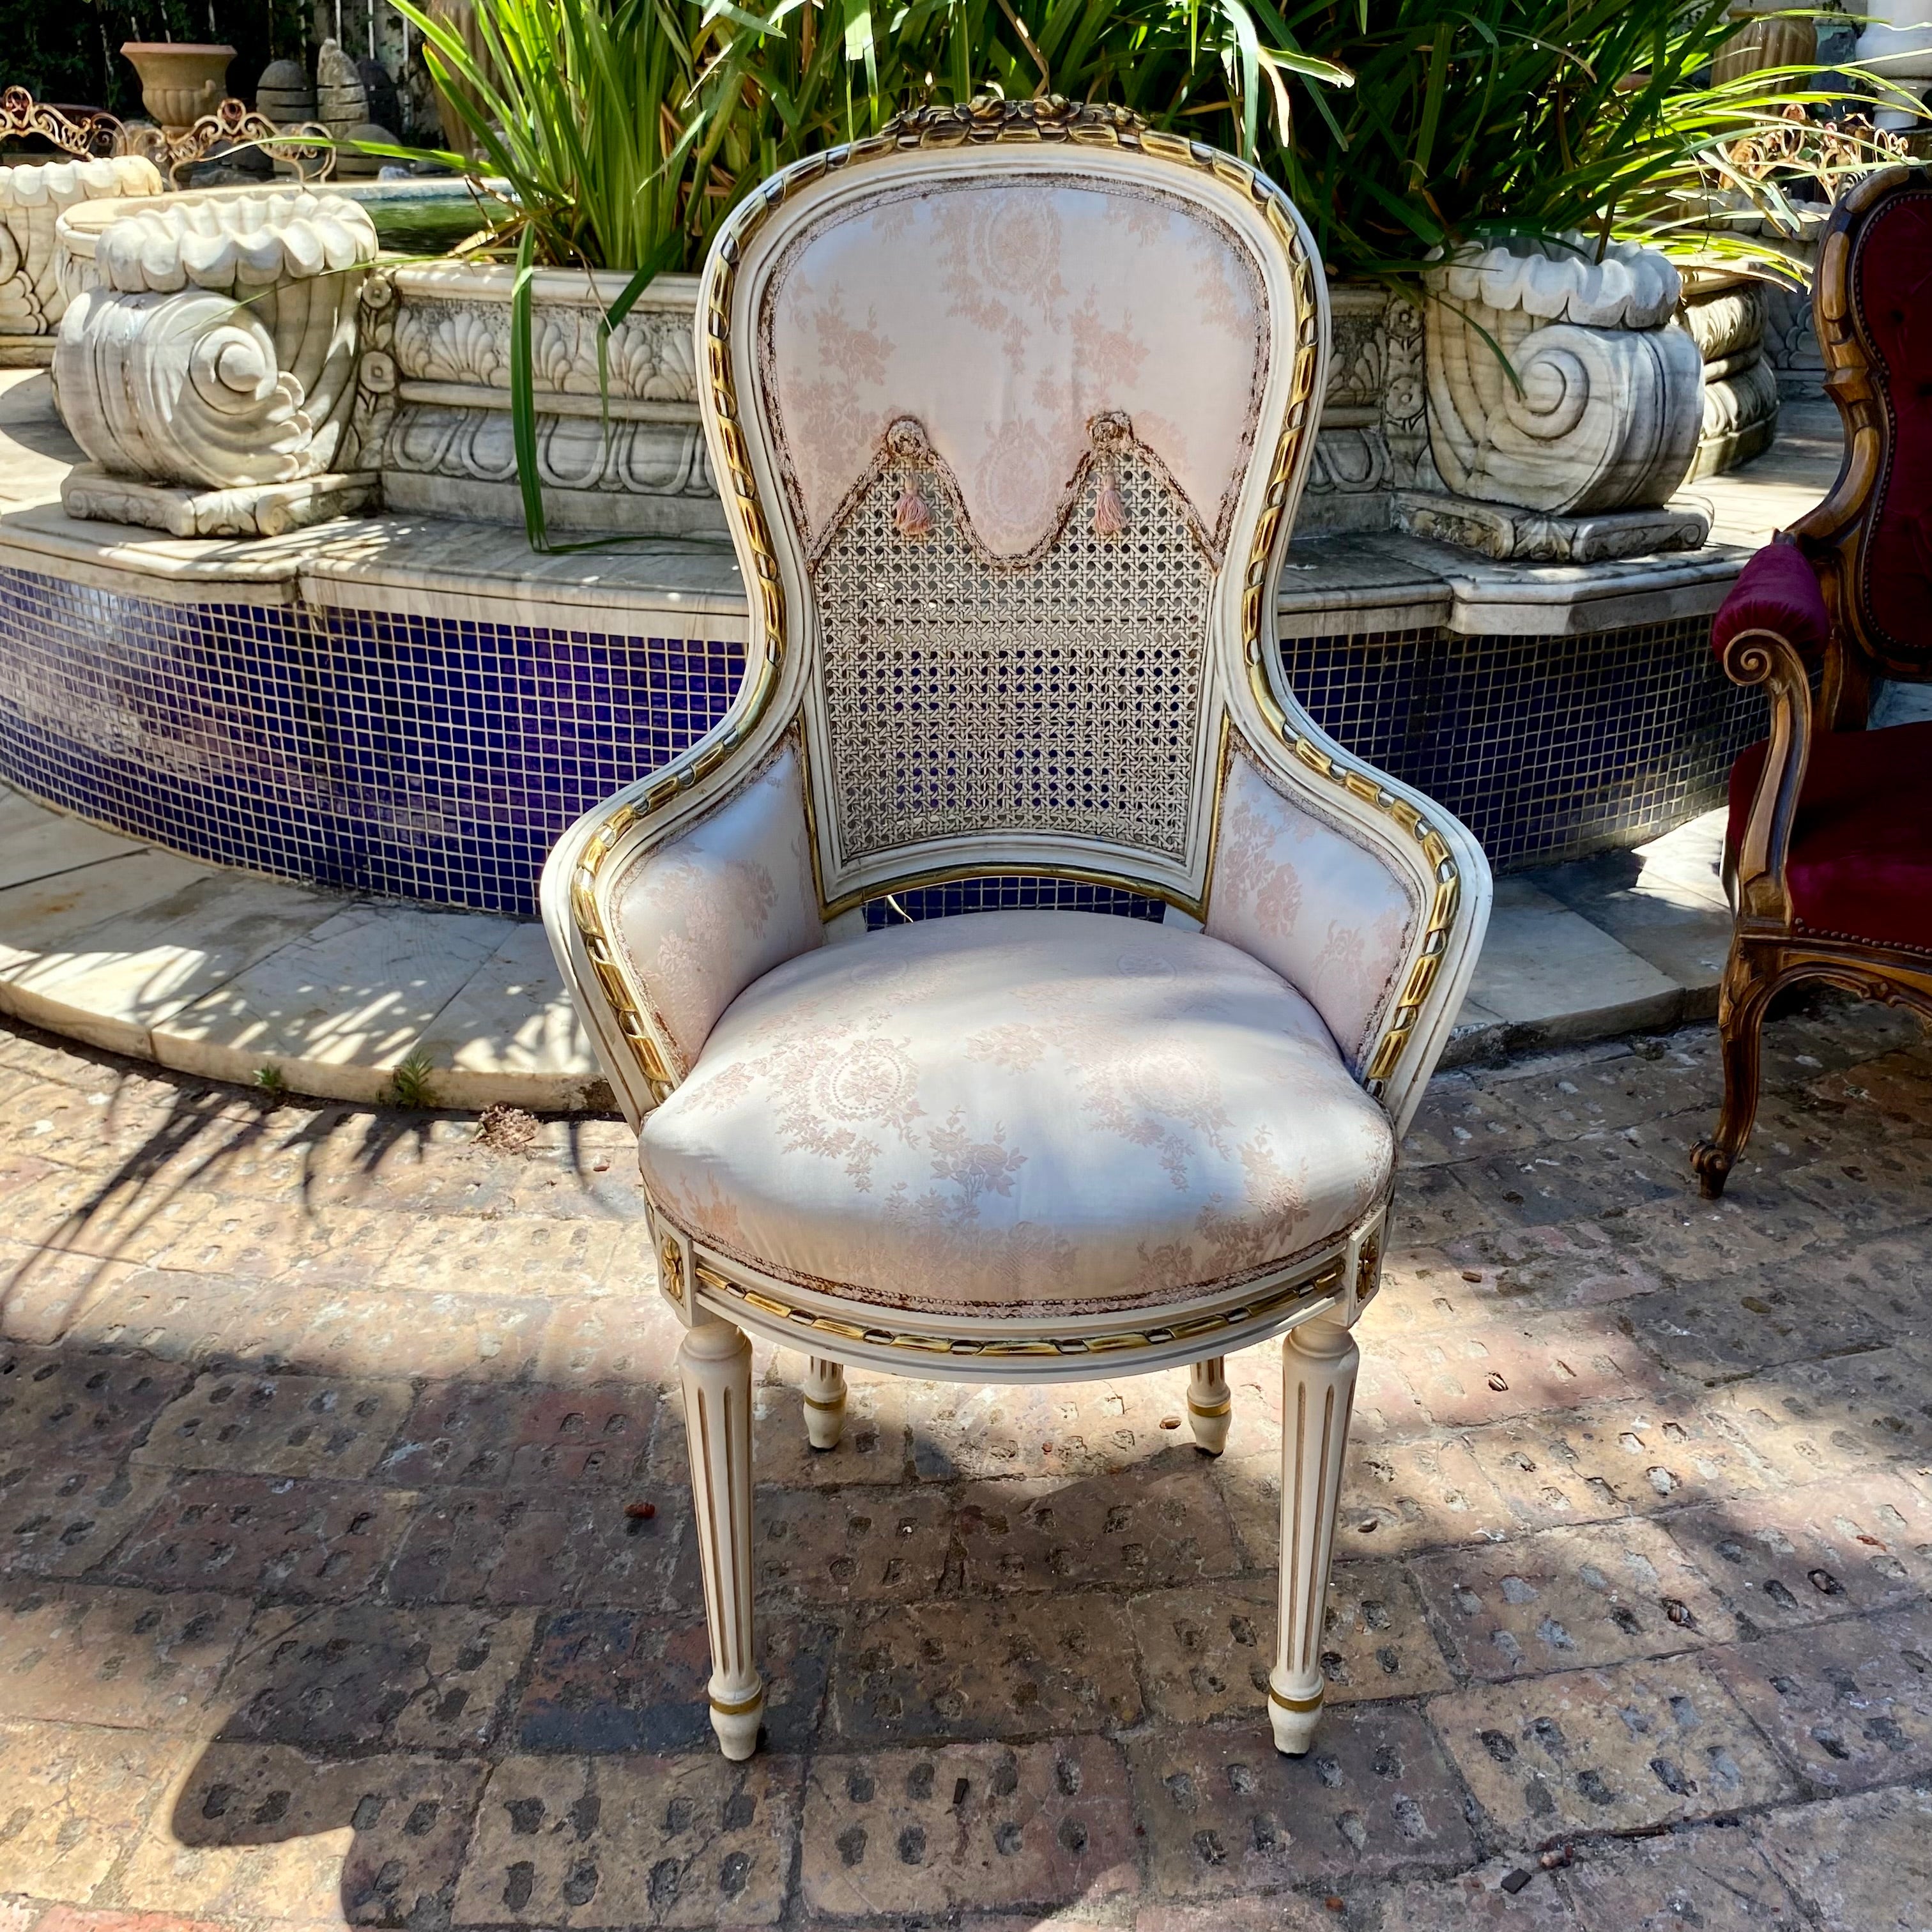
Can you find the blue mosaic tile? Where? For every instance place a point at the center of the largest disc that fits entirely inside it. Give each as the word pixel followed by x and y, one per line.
pixel 439 760
pixel 434 759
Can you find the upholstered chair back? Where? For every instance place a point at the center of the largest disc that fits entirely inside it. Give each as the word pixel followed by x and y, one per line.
pixel 1019 411
pixel 1874 315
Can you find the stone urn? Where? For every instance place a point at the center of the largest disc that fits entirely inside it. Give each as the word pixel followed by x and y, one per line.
pixel 1765 40
pixel 207 362
pixel 1565 401
pixel 33 282
pixel 180 81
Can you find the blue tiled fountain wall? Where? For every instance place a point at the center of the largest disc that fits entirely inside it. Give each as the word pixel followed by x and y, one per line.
pixel 439 759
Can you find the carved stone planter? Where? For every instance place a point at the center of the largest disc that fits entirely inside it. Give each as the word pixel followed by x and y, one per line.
pixel 207 362
pixel 1570 452
pixel 1726 315
pixel 33 281
pixel 447 449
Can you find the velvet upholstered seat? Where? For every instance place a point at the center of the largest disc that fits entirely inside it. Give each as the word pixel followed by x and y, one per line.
pixel 1829 841
pixel 1011 410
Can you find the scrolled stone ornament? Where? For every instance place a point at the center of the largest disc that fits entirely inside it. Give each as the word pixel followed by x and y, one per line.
pixel 34 288
pixel 217 348
pixel 1559 382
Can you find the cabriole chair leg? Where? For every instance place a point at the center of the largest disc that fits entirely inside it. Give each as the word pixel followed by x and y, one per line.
pixel 1742 1002
pixel 1319 1361
pixel 715 1359
pixel 1209 1406
pixel 824 1402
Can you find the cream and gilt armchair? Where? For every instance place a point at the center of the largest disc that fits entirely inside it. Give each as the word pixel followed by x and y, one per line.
pixel 1011 408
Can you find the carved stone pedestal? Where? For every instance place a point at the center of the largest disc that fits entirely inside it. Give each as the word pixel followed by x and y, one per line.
pixel 1726 315
pixel 1559 385
pixel 254 510
pixel 207 363
pixel 1529 536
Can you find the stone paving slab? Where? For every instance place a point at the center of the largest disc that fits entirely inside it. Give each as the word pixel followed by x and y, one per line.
pixel 340 1586
pixel 219 973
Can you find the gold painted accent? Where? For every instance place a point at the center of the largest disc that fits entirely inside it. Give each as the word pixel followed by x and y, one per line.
pixel 1313 1703
pixel 741 1706
pixel 1224 1407
pixel 1368 1269
pixel 1048 119
pixel 671 1265
pixel 812 1402
pixel 1327 1275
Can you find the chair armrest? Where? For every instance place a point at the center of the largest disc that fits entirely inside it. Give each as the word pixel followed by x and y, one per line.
pixel 1772 622
pixel 673 927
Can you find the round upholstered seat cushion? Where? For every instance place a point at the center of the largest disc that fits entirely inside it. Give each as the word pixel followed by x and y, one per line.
pixel 1054 1111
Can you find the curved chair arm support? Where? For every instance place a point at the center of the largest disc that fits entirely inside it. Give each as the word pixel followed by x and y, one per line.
pixel 1764 657
pixel 666 901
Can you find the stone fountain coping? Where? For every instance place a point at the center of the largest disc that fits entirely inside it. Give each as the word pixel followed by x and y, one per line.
pixel 219 973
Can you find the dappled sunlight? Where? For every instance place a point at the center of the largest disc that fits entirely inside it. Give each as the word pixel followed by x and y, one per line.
pixel 349 1569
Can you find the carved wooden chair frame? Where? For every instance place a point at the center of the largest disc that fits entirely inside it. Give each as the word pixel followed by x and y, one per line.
pixel 1770 950
pixel 718 1298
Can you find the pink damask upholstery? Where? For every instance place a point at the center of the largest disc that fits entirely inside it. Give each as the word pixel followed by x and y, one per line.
pixel 1003 318
pixel 1327 914
pixel 698 919
pixel 1046 1110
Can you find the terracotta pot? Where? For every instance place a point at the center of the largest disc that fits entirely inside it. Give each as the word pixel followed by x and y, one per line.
pixel 180 81
pixel 1761 44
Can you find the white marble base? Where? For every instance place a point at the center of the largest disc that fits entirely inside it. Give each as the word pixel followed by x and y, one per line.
pixel 26 352
pixel 259 510
pixel 1499 531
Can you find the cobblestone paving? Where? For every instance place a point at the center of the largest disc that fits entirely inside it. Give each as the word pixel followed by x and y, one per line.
pixel 324 1597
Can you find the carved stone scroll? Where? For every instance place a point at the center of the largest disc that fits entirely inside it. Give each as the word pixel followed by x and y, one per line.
pixel 33 197
pixel 208 366
pixel 1558 383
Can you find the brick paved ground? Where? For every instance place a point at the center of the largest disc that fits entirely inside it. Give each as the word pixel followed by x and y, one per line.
pixel 319 1601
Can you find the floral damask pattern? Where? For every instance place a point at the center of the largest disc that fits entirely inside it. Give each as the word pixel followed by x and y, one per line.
pixel 697 920
pixel 1324 911
pixel 1058 1109
pixel 1004 316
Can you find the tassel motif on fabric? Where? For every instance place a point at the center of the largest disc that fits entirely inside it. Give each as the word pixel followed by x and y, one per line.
pixel 1110 512
pixel 912 514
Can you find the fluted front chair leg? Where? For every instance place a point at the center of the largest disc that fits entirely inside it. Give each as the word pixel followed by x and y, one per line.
pixel 824 1402
pixel 1209 1406
pixel 1319 1361
pixel 716 1362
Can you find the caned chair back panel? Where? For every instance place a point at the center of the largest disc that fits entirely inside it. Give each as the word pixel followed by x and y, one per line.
pixel 1017 416
pixel 1873 535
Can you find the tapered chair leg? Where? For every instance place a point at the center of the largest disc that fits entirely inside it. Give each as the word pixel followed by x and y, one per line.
pixel 824 1402
pixel 1209 1406
pixel 715 1361
pixel 1742 1002
pixel 1319 1361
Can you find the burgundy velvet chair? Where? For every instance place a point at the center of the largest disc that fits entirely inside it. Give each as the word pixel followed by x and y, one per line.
pixel 1830 839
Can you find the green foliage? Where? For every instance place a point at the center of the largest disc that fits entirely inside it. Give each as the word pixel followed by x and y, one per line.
pixel 409 1085
pixel 1470 118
